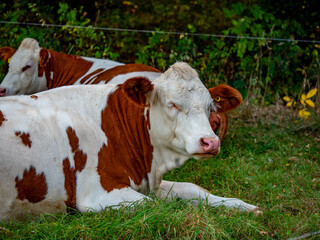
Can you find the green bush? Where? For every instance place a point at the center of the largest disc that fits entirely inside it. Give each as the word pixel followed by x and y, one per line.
pixel 262 69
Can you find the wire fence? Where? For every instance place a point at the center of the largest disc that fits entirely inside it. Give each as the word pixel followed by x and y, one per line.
pixel 162 32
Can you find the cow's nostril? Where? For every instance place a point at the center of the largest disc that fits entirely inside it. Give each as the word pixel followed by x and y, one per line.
pixel 203 142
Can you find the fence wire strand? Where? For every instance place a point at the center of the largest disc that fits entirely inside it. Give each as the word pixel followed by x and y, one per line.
pixel 162 32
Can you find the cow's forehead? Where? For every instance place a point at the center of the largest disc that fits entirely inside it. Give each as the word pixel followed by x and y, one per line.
pixel 21 57
pixel 28 50
pixel 186 92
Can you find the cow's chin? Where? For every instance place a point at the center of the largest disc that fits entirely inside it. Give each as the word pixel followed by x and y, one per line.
pixel 199 156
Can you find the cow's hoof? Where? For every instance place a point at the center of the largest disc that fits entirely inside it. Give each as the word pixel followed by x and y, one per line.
pixel 257 211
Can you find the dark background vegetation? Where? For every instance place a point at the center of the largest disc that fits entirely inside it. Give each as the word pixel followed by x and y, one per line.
pixel 262 70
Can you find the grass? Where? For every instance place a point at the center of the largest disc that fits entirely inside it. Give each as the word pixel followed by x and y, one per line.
pixel 269 158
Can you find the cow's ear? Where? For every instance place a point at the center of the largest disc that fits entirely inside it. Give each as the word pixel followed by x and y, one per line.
pixel 225 98
pixel 137 88
pixel 6 53
pixel 44 57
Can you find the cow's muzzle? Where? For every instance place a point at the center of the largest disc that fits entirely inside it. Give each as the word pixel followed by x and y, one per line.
pixel 210 146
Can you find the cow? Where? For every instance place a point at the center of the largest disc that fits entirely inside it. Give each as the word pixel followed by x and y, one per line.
pixel 33 69
pixel 98 146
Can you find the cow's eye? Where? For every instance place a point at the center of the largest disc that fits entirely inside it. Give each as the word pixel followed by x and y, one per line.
pixel 26 67
pixel 172 105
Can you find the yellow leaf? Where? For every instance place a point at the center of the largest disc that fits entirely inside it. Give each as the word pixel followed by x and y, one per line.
pixel 311 93
pixel 303 97
pixel 302 101
pixel 310 103
pixel 289 104
pixel 286 98
pixel 127 3
pixel 304 114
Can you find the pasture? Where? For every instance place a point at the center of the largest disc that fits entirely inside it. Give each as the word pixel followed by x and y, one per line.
pixel 269 158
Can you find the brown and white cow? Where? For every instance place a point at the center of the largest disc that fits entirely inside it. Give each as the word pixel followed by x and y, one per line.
pixel 33 69
pixel 90 147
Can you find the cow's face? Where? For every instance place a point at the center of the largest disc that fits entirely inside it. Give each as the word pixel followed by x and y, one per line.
pixel 23 70
pixel 179 113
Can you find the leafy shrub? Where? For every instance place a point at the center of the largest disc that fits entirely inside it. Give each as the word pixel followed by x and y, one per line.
pixel 262 69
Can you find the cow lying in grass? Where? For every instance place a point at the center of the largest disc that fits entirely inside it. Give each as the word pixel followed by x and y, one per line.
pixel 105 145
pixel 33 69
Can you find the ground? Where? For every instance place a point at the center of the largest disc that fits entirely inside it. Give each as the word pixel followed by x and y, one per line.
pixel 269 158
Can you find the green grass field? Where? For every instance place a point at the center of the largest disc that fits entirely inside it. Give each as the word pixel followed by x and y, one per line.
pixel 269 158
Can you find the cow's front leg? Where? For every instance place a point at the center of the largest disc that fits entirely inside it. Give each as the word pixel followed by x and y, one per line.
pixel 98 199
pixel 191 191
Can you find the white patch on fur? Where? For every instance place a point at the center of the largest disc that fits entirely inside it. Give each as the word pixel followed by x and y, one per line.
pixel 97 63
pixel 121 78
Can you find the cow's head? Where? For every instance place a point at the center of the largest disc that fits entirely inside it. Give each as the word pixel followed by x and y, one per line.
pixel 180 106
pixel 22 77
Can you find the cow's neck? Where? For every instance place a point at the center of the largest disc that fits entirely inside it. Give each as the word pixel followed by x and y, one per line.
pixel 127 158
pixel 63 69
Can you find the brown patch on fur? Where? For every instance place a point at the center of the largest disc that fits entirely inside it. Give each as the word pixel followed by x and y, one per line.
pixel 219 120
pixel 123 69
pixel 225 98
pixel 80 158
pixel 2 118
pixel 83 80
pixel 35 97
pixel 44 58
pixel 25 137
pixel 67 69
pixel 129 150
pixel 32 186
pixel 6 53
pixel 69 183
